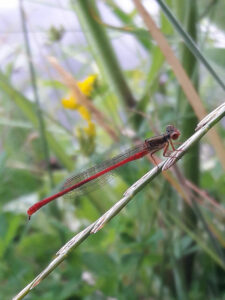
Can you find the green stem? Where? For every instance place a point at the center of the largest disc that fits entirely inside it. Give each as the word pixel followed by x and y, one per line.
pixel 141 35
pixel 102 50
pixel 191 162
pixel 35 91
pixel 190 41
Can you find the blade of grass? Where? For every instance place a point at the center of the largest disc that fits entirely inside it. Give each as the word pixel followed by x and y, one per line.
pixel 199 241
pixel 212 237
pixel 191 163
pixel 41 122
pixel 182 77
pixel 130 28
pixel 150 85
pixel 190 43
pixel 28 109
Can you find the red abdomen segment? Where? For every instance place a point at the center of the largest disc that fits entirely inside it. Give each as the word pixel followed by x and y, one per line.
pixel 94 173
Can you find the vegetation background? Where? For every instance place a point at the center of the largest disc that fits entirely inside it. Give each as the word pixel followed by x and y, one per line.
pixel 167 243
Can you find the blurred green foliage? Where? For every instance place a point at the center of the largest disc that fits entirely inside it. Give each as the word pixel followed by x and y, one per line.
pixel 140 253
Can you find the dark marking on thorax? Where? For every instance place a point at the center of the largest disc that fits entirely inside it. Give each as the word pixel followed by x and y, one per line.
pixel 157 142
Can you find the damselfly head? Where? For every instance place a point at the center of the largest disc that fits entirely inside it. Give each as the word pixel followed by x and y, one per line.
pixel 173 132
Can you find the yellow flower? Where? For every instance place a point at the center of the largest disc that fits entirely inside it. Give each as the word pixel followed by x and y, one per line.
pixel 87 85
pixel 86 136
pixel 86 88
pixel 90 130
pixel 70 102
pixel 84 113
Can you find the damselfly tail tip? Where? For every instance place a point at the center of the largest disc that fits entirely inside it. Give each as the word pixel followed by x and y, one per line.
pixel 29 214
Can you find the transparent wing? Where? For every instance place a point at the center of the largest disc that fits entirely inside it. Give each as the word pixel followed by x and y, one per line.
pixel 96 183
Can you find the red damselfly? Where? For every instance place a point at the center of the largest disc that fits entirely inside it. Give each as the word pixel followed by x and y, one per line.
pixel 80 183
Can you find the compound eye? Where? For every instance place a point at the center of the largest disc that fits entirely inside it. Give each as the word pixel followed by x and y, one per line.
pixel 175 135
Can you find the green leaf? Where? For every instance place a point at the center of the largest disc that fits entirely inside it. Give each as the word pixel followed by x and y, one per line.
pixel 29 110
pixel 216 55
pixel 9 228
pixel 198 240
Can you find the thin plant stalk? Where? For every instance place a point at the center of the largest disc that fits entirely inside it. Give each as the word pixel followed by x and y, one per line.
pixel 35 91
pixel 191 162
pixel 190 42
